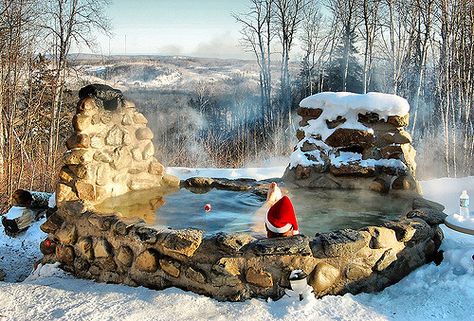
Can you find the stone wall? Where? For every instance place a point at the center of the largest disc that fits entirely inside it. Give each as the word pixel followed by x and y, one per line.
pixel 239 266
pixel 111 151
pixel 375 153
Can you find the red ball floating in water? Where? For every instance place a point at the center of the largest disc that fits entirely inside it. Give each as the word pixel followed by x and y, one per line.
pixel 207 207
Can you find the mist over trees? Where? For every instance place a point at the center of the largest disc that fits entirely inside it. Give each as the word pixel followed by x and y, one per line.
pixel 422 50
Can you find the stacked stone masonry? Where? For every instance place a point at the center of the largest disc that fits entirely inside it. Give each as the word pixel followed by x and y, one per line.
pixel 385 142
pixel 110 152
pixel 238 266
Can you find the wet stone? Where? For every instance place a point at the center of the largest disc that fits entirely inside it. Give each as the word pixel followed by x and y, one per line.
pixel 145 234
pixel 120 228
pixel 429 215
pixel 381 237
pixel 141 184
pixel 241 184
pixel 170 268
pixel 125 256
pixel 102 249
pixel 65 254
pixel 323 276
pixel 147 261
pixel 84 246
pixel 179 242
pixel 424 203
pixel 410 230
pixel 259 278
pixel 67 234
pixel 195 275
pixel 298 244
pixel 53 223
pixel 388 257
pixel 344 242
pixel 404 183
pixel 102 222
pixel 234 241
pixel 198 182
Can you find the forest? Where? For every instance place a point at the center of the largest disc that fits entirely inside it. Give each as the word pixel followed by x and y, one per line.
pixel 422 50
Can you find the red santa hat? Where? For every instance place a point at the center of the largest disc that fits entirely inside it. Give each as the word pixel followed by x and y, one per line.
pixel 281 217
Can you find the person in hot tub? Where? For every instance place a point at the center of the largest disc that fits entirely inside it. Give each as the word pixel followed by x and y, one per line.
pixel 279 215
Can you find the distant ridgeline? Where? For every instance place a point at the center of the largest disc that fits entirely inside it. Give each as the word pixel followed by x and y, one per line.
pixel 353 141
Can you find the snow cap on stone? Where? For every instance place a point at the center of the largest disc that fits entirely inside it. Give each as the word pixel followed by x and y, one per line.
pixel 343 102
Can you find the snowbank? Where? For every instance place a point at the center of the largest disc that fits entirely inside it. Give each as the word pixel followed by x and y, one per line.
pixel 444 292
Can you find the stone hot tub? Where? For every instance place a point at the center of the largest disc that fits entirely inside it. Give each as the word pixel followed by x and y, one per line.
pixel 111 158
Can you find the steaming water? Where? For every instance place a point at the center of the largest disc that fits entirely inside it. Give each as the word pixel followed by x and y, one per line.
pixel 317 210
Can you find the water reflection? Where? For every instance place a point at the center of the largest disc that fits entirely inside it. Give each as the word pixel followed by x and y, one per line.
pixel 317 210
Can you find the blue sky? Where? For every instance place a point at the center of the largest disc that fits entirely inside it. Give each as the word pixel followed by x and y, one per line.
pixel 203 28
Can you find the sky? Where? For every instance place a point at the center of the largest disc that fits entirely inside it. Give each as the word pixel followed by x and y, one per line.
pixel 202 28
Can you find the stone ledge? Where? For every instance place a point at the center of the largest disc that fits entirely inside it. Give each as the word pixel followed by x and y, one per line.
pixel 238 266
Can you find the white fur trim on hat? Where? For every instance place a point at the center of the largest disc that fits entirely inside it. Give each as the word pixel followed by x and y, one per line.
pixel 275 229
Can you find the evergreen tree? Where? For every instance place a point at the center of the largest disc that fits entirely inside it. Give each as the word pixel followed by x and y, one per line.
pixel 336 69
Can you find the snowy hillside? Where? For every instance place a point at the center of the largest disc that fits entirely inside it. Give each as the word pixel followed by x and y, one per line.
pixel 444 292
pixel 161 72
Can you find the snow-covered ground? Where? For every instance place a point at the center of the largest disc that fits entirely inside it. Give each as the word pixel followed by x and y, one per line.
pixel 444 292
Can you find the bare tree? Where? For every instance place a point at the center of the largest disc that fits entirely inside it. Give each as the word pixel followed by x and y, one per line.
pixel 315 42
pixel 68 22
pixel 370 15
pixel 347 13
pixel 288 16
pixel 257 36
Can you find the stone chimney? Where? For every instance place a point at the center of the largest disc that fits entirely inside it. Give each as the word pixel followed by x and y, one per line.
pixel 111 151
